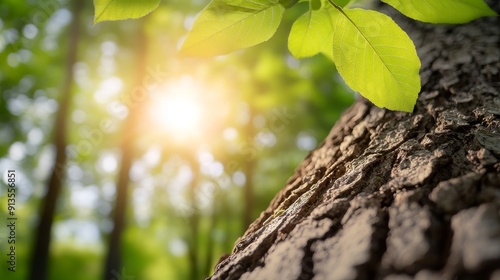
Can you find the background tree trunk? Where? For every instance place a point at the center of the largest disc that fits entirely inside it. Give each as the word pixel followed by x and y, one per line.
pixel 41 245
pixel 391 195
pixel 113 268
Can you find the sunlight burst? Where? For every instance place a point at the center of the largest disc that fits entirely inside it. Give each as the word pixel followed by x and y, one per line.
pixel 177 110
pixel 179 114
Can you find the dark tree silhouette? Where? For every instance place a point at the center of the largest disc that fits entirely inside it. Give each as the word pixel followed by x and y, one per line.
pixel 248 167
pixel 40 254
pixel 193 219
pixel 113 266
pixel 391 195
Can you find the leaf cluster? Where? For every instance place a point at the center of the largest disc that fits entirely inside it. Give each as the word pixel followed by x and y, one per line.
pixel 372 53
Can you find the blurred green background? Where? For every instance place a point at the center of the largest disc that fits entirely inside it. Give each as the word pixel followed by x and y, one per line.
pixel 211 141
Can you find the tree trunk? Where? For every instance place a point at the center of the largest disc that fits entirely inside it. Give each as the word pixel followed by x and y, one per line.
pixel 40 255
pixel 113 268
pixel 194 219
pixel 392 195
pixel 248 170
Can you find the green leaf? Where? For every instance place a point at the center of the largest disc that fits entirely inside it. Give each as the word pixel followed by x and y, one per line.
pixel 122 9
pixel 288 3
pixel 376 58
pixel 442 11
pixel 228 25
pixel 342 3
pixel 311 34
pixel 315 4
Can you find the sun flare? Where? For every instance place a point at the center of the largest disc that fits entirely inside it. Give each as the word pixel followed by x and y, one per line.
pixel 176 109
pixel 180 114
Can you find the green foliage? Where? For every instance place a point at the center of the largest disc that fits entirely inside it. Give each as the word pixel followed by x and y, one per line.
pixel 68 258
pixel 373 55
pixel 442 11
pixel 122 9
pixel 376 58
pixel 311 34
pixel 288 3
pixel 228 25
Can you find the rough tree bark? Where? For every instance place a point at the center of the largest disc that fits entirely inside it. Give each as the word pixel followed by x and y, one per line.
pixel 391 195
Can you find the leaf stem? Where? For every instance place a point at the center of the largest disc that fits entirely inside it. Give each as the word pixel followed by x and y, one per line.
pixel 339 8
pixel 335 6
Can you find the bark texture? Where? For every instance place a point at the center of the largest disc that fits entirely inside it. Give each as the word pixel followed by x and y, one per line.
pixel 391 195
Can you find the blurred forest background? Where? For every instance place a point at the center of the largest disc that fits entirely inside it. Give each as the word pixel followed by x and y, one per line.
pixel 189 151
